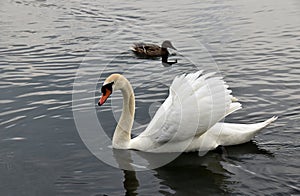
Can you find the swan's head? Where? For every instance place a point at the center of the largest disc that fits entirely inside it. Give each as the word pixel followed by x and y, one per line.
pixel 168 44
pixel 112 83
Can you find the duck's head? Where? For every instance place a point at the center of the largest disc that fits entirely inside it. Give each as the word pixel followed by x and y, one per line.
pixel 168 44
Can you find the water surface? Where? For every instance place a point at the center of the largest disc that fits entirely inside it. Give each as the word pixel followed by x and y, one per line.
pixel 255 45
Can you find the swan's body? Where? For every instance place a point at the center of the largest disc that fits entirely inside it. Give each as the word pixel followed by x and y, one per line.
pixel 188 120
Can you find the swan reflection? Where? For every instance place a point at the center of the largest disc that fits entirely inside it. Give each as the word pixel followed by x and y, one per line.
pixel 190 173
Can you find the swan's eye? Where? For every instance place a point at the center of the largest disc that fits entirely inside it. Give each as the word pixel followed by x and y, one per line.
pixel 106 87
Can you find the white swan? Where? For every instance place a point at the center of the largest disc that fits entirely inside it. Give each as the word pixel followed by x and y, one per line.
pixel 188 120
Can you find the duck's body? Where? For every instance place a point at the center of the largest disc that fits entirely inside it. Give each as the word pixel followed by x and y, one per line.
pixel 152 50
pixel 188 120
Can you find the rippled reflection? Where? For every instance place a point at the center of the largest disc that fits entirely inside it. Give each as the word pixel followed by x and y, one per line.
pixel 188 171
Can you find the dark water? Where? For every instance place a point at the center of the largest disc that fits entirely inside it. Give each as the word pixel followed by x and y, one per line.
pixel 254 44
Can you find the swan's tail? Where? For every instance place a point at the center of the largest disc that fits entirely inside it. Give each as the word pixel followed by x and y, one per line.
pixel 233 134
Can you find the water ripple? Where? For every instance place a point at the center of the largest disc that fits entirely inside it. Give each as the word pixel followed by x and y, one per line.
pixel 255 46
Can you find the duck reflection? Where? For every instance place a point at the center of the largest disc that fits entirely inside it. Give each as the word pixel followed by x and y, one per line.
pixel 166 63
pixel 189 173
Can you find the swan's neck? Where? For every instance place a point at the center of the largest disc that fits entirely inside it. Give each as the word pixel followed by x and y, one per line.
pixel 122 134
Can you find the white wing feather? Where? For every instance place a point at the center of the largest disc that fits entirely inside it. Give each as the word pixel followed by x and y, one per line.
pixel 195 103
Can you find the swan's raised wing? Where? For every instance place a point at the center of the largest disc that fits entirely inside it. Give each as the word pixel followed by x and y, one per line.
pixel 195 103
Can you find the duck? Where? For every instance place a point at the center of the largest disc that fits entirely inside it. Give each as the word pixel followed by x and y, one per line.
pixel 190 119
pixel 153 50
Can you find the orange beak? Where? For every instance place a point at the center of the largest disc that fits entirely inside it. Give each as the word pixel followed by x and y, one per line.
pixel 103 97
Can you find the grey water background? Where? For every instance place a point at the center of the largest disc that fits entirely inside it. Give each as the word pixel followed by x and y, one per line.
pixel 255 45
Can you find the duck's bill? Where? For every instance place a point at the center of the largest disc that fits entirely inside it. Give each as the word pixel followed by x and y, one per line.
pixel 104 97
pixel 173 48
